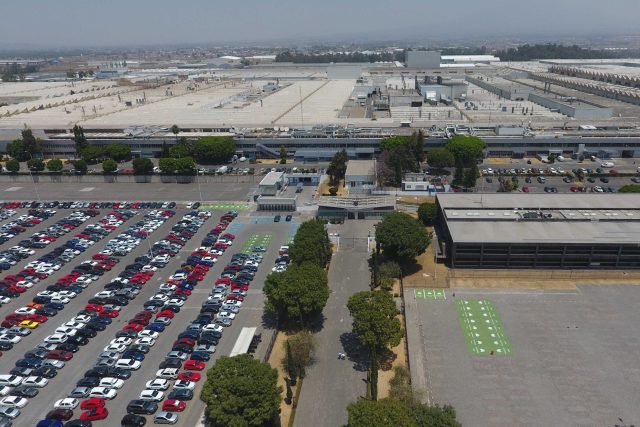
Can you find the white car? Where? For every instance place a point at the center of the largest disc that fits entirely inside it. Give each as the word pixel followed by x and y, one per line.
pixel 118 348
pixel 25 310
pixel 225 315
pixel 13 339
pixel 159 297
pixel 67 294
pixel 122 340
pixel 109 382
pixel 168 287
pixel 68 403
pixel 213 327
pixel 103 392
pixel 166 373
pixel 60 300
pixel 147 333
pixel 231 308
pixel 34 381
pixel 235 302
pixel 104 294
pixel 4 390
pixel 145 341
pixel 82 318
pixel 5 300
pixel 184 385
pixel 14 380
pixel 153 395
pixel 74 325
pixel 57 338
pixel 58 364
pixel 158 384
pixel 66 331
pixel 129 364
pixel 47 294
pixel 14 401
pixel 204 347
pixel 175 301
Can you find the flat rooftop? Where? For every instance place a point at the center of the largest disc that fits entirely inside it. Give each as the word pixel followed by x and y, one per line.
pixel 584 219
pixel 360 168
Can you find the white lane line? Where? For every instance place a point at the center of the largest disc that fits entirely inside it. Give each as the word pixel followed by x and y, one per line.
pixel 13 189
pixel 87 189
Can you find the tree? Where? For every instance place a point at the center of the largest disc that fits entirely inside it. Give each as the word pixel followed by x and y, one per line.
pixel 299 353
pixel 289 397
pixel 109 166
pixel 32 144
pixel 337 167
pixel 175 130
pixel 241 391
pixel 416 145
pixel 165 150
pixel 179 150
pixel 298 294
pixel 185 166
pixel 398 160
pixel 17 150
pixel 427 213
pixel 389 144
pixel 212 149
pixel 466 148
pixel 402 237
pixel 440 158
pixel 283 155
pixel 79 138
pixel 374 319
pixel 311 244
pixel 382 413
pixel 118 151
pixel 470 176
pixel 35 165
pixel 167 165
pixel 458 175
pixel 54 165
pixel 80 166
pixel 12 165
pixel 435 416
pixel 92 154
pixel 142 166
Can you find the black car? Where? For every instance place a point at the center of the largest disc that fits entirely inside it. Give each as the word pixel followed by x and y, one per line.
pixel 126 334
pixel 138 348
pixel 25 391
pixel 36 353
pixel 288 218
pixel 181 394
pixel 145 407
pixel 5 346
pixel 78 340
pixel 67 346
pixel 54 305
pixel 86 332
pixel 78 423
pixel 184 348
pixel 101 319
pixel 200 355
pixel 171 363
pixel 95 326
pixel 189 334
pixel 276 218
pixel 45 371
pixel 88 382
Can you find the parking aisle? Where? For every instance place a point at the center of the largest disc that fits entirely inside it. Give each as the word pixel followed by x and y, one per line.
pixel 86 357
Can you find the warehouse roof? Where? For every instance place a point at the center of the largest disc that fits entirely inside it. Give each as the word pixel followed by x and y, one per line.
pixel 272 178
pixel 361 168
pixel 533 201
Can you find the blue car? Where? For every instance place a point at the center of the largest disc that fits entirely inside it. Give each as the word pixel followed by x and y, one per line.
pixel 54 305
pixel 135 355
pixel 49 423
pixel 200 355
pixel 154 326
pixel 29 363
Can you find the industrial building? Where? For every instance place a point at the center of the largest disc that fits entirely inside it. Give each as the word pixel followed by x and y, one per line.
pixel 550 231
pixel 423 59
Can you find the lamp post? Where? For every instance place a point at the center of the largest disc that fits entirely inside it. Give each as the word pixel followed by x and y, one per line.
pixel 35 186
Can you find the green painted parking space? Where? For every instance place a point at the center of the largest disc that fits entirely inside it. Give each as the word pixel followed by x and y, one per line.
pixel 482 329
pixel 436 294
pixel 256 240
pixel 224 207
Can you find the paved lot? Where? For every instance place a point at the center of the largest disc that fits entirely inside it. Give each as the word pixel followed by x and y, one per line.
pixel 331 384
pixel 236 191
pixel 573 360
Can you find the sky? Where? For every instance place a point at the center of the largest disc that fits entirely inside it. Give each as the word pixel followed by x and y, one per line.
pixel 79 23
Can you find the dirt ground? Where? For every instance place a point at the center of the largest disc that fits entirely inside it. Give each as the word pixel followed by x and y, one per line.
pixel 415 200
pixel 386 370
pixel 427 274
pixel 275 360
pixel 323 188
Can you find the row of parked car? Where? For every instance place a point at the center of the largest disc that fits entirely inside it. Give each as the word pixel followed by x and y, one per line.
pixel 7 213
pixel 87 205
pixel 67 339
pixel 19 225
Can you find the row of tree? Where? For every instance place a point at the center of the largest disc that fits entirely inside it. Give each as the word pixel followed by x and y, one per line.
pixel 177 166
pixel 205 150
pixel 400 154
pixel 463 152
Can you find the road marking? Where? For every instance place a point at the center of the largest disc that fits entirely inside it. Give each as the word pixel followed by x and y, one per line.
pixel 13 189
pixel 87 189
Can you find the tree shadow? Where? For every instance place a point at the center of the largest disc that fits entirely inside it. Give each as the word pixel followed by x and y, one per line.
pixel 354 351
pixel 269 320
pixel 386 358
pixel 410 267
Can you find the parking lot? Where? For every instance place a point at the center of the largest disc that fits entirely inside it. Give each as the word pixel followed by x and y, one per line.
pixel 550 358
pixel 248 231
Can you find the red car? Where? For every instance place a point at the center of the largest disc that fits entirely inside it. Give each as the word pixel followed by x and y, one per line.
pixel 193 365
pixel 93 307
pixel 181 291
pixel 60 355
pixel 240 286
pixel 189 376
pixel 140 321
pixel 229 236
pixel 166 313
pixel 37 318
pixel 143 315
pixel 188 341
pixel 133 327
pixel 223 281
pixel 174 405
pixel 92 403
pixel 94 414
pixel 100 256
pixel 525 189
pixel 109 313
pixel 16 317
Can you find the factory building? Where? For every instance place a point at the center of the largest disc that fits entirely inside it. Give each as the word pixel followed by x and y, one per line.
pixel 550 231
pixel 422 59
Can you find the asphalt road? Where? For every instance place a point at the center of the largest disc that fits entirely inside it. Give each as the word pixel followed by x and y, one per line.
pixel 250 315
pixel 482 186
pixel 331 383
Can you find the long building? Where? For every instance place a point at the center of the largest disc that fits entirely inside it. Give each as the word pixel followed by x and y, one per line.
pixel 550 231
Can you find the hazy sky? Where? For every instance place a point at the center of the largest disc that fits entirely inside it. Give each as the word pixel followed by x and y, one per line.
pixel 68 23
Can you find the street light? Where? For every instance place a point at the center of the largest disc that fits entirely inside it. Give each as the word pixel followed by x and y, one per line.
pixel 35 186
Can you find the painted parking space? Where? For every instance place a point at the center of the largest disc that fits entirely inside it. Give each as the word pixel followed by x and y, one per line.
pixel 224 206
pixel 256 240
pixel 482 328
pixel 435 294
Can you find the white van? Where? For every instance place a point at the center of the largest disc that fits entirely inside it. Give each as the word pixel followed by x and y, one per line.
pixel 607 165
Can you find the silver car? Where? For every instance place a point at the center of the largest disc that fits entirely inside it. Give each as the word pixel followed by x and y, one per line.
pixel 164 417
